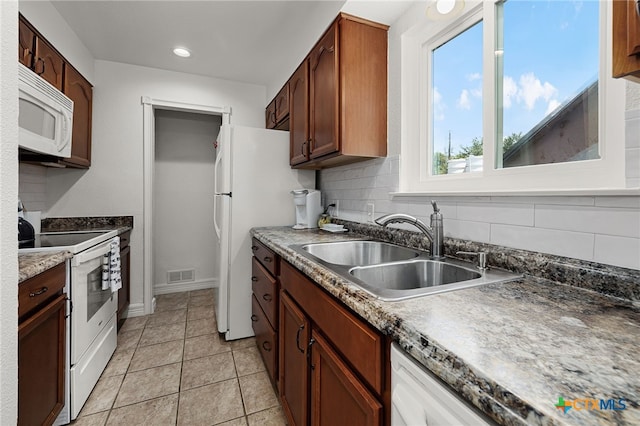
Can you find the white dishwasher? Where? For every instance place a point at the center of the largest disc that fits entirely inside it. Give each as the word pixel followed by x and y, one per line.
pixel 418 398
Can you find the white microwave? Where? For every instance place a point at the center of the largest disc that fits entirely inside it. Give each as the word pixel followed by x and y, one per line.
pixel 45 115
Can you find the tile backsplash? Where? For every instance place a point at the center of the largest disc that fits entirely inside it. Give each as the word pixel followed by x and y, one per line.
pixel 603 229
pixel 32 186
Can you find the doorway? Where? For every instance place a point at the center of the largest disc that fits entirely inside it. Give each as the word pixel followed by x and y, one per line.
pixel 151 108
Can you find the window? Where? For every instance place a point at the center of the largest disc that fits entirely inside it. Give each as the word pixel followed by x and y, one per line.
pixel 512 96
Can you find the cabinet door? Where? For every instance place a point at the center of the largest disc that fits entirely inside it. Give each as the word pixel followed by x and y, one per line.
pixel 26 44
pixel 49 64
pixel 337 396
pixel 299 114
pixel 282 104
pixel 41 365
pixel 270 115
pixel 324 95
pixel 80 92
pixel 294 377
pixel 626 40
pixel 124 292
pixel 633 28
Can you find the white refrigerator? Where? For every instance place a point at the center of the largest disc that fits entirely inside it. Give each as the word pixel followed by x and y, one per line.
pixel 253 180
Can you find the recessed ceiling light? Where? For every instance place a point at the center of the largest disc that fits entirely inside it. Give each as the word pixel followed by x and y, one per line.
pixel 444 9
pixel 182 52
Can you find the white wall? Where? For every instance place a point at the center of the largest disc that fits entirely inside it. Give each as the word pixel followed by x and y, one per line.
pixel 601 229
pixel 8 213
pixel 184 237
pixel 114 183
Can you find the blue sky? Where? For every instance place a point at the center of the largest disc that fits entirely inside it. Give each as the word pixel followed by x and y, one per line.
pixel 550 53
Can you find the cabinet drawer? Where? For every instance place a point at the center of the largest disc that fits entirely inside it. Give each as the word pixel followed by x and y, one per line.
pixel 359 343
pixel 266 339
pixel 266 257
pixel 265 289
pixel 40 288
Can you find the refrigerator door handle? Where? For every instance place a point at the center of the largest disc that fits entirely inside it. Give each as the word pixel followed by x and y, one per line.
pixel 216 167
pixel 216 227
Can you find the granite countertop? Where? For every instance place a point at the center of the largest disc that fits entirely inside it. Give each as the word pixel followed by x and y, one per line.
pixel 511 349
pixel 32 264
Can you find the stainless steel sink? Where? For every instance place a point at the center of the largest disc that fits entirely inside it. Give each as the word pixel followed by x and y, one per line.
pixel 360 253
pixel 411 275
pixel 392 273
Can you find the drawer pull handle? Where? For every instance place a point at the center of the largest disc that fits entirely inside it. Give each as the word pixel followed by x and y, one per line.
pixel 266 346
pixel 268 259
pixel 254 279
pixel 39 292
pixel 267 297
pixel 254 318
pixel 254 248
pixel 298 338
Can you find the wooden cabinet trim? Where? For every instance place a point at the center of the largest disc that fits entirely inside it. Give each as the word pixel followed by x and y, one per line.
pixel 359 343
pixel 625 20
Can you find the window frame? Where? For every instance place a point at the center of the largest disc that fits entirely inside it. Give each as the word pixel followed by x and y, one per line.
pixel 605 174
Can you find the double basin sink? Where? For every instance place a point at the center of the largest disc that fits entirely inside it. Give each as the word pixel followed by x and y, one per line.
pixel 390 272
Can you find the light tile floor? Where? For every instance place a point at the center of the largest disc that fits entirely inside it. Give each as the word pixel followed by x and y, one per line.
pixel 173 368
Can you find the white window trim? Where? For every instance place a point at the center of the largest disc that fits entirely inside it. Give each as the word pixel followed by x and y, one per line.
pixel 603 176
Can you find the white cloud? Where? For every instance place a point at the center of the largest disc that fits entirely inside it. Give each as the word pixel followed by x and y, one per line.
pixel 509 91
pixel 463 101
pixel 553 104
pixel 531 89
pixel 475 76
pixel 438 106
pixel 477 92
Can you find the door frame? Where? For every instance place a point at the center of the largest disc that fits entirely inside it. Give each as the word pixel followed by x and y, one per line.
pixel 149 141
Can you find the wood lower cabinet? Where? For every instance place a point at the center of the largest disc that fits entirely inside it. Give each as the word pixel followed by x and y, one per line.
pixel 41 347
pixel 626 39
pixel 124 294
pixel 337 395
pixel 294 373
pixel 333 367
pixel 264 308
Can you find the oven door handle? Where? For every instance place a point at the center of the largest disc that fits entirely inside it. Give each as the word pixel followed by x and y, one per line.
pixel 86 256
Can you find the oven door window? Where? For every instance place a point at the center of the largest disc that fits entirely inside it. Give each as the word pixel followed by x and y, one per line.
pixel 96 297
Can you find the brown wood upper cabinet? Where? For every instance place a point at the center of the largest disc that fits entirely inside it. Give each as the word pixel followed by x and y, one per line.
pixel 36 53
pixel 339 96
pixel 277 112
pixel 626 39
pixel 299 114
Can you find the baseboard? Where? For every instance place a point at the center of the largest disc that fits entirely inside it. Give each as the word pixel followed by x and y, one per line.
pixel 135 310
pixel 188 286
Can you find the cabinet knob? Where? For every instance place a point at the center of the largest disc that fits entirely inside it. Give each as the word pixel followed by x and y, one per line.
pixel 254 318
pixel 254 279
pixel 39 292
pixel 268 259
pixel 254 248
pixel 266 346
pixel 267 297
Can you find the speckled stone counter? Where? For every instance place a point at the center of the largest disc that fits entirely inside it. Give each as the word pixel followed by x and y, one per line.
pixel 32 264
pixel 61 224
pixel 511 349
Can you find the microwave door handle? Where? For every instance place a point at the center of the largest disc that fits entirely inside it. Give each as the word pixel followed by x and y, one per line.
pixel 86 256
pixel 67 126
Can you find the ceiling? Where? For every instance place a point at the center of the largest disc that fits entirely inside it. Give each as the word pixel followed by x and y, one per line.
pixel 258 42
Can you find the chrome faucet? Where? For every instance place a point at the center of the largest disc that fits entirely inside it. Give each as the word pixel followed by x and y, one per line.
pixel 435 232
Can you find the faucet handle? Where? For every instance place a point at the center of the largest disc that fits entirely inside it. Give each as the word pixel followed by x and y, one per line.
pixel 482 257
pixel 435 206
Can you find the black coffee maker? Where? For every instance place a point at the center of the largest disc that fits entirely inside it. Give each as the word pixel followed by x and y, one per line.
pixel 26 233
